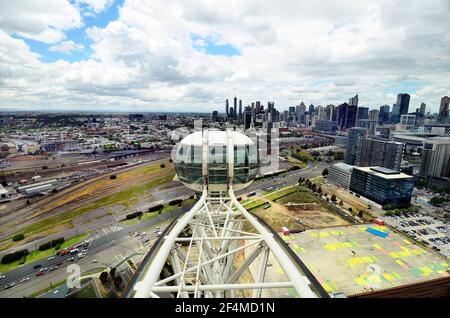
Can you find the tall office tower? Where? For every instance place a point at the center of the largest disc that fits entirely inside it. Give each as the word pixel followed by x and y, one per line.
pixel 291 109
pixel 227 108
pixel 401 107
pixel 363 113
pixel 354 100
pixel 422 109
pixel 215 116
pixel 329 111
pixel 247 117
pixel 240 110
pixel 374 115
pixel 436 157
pixel 335 113
pixel 350 120
pixel 258 107
pixel 310 109
pixel 354 135
pixel 384 115
pixel 444 116
pixel 375 152
pixel 342 116
pixel 301 113
pixel 231 112
pixel 234 107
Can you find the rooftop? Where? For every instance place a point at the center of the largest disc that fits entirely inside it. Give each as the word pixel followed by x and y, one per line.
pixel 384 173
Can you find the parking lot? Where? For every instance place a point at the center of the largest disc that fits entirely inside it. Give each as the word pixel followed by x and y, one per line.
pixel 423 228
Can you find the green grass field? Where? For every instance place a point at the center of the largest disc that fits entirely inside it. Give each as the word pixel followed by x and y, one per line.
pixel 275 195
pixel 85 292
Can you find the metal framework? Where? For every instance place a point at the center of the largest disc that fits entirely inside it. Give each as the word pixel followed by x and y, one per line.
pixel 210 251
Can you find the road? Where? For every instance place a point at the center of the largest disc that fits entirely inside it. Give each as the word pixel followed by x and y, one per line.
pixel 104 242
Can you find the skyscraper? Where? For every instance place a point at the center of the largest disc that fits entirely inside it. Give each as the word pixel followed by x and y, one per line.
pixel 235 108
pixel 374 115
pixel 401 107
pixel 444 110
pixel 384 115
pixel 240 110
pixel 227 108
pixel 354 135
pixel 422 109
pixel 354 100
pixel 363 113
pixel 436 157
pixel 375 152
pixel 310 109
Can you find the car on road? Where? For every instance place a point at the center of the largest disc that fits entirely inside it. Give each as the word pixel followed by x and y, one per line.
pixel 63 252
pixel 10 285
pixel 37 266
pixel 70 259
pixel 25 279
pixel 50 258
pixel 39 274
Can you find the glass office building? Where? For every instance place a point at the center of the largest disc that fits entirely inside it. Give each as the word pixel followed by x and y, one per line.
pixel 195 168
pixel 383 186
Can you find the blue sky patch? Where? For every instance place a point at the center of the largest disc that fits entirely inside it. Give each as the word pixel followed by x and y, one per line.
pixel 78 36
pixel 209 46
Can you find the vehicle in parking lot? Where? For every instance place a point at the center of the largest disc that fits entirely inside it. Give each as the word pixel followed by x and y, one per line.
pixel 39 274
pixel 37 266
pixel 70 259
pixel 2 276
pixel 44 269
pixel 10 285
pixel 50 258
pixel 53 268
pixel 59 264
pixel 94 261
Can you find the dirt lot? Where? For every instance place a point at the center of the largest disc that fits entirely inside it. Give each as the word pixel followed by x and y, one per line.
pixel 298 210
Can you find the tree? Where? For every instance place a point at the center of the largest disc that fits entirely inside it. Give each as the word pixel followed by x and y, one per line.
pixel 104 278
pixel 319 190
pixel 112 272
pixel 118 282
pixel 113 176
pixel 325 172
pixel 162 166
pixel 333 198
pixel 350 210
pixel 361 213
pixel 341 203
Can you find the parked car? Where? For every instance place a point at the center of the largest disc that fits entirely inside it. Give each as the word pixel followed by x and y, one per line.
pixel 37 266
pixel 39 274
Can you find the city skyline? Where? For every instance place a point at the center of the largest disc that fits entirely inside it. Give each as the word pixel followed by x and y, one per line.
pixel 109 55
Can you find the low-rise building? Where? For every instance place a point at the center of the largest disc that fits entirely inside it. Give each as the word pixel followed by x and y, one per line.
pixel 382 185
pixel 340 174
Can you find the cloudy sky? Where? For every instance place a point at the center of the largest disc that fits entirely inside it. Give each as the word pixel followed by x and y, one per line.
pixel 170 55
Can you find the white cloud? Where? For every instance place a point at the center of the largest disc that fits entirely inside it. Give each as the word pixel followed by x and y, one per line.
pixel 43 20
pixel 320 52
pixel 66 47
